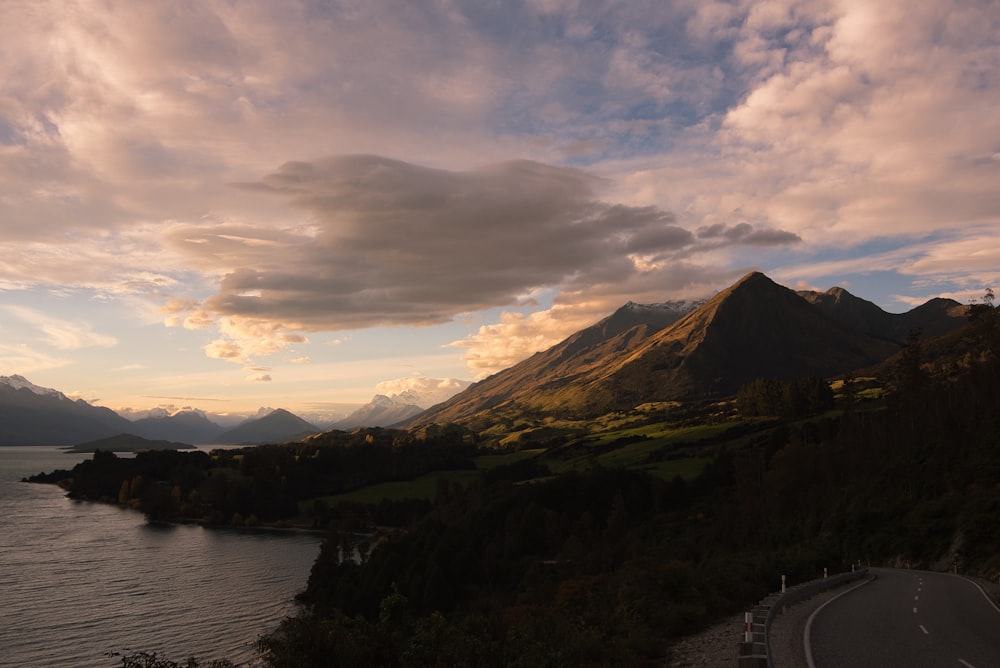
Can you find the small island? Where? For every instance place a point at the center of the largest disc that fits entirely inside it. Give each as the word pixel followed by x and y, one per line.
pixel 127 443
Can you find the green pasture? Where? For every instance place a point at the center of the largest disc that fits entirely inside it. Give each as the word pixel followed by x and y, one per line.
pixel 487 462
pixel 424 487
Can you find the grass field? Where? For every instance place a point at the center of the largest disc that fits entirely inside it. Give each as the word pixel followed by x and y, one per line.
pixel 487 462
pixel 635 455
pixel 424 487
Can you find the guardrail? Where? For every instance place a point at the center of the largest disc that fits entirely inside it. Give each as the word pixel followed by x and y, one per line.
pixel 755 650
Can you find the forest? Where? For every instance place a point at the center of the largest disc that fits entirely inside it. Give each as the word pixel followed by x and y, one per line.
pixel 532 562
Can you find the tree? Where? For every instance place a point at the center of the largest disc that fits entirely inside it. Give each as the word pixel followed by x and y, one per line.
pixel 910 375
pixel 984 318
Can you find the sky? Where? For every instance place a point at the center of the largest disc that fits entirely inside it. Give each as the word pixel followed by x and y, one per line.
pixel 228 205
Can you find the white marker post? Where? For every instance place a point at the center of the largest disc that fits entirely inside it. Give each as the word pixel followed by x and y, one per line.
pixel 782 584
pixel 747 626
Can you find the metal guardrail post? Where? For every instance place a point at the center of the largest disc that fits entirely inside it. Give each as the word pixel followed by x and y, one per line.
pixel 755 649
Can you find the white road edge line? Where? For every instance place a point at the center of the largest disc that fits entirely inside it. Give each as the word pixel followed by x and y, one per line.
pixel 966 664
pixel 983 592
pixel 808 632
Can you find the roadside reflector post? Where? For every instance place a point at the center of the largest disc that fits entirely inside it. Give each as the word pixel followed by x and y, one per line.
pixel 824 572
pixel 782 584
pixel 747 626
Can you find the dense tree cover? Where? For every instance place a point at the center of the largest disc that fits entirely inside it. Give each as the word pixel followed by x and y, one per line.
pixel 262 483
pixel 791 399
pixel 592 568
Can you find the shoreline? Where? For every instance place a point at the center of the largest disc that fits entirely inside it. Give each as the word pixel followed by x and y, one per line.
pixel 279 527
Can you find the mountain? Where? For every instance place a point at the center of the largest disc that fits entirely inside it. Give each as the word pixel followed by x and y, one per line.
pixel 587 351
pixel 183 426
pixel 933 318
pixel 755 328
pixel 277 427
pixel 382 411
pixel 33 415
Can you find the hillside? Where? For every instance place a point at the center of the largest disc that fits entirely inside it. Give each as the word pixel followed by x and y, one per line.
pixel 33 415
pixel 585 351
pixel 277 427
pixel 755 328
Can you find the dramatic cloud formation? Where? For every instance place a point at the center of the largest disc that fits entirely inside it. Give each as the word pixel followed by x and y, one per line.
pixel 255 174
pixel 399 244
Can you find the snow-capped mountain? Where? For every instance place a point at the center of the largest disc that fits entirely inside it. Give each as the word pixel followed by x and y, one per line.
pixel 17 382
pixel 383 411
pixel 33 415
pixel 677 307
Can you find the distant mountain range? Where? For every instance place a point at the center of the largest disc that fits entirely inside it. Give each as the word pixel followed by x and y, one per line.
pixel 33 415
pixel 755 328
pixel 183 426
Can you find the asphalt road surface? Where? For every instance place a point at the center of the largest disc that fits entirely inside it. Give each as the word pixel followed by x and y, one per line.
pixel 908 619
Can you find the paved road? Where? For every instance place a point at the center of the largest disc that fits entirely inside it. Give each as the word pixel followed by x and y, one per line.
pixel 909 619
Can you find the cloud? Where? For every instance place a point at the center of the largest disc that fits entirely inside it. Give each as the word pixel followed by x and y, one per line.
pixel 964 258
pixel 495 347
pixel 59 333
pixel 864 130
pixel 393 243
pixel 243 339
pixel 23 359
pixel 745 233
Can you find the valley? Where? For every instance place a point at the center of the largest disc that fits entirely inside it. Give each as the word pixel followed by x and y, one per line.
pixel 527 532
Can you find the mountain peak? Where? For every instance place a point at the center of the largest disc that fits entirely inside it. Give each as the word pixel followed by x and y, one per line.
pixel 277 426
pixel 755 280
pixel 17 382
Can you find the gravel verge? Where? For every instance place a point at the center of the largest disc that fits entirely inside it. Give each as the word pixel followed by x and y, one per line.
pixel 716 647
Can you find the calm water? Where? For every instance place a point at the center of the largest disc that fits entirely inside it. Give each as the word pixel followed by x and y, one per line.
pixel 78 579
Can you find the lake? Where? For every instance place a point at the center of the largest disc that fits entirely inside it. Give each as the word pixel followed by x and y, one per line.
pixel 79 580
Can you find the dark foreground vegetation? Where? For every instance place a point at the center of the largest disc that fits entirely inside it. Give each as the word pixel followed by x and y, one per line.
pixel 598 549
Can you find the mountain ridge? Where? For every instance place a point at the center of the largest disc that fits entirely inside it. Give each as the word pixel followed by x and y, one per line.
pixel 278 426
pixel 33 415
pixel 753 328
